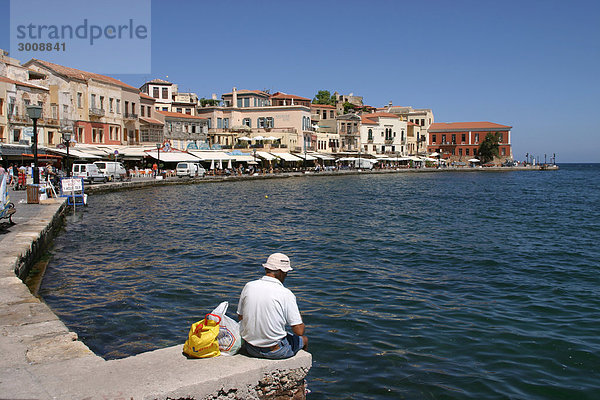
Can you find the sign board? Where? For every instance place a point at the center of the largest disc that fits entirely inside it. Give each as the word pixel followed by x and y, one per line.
pixel 28 132
pixel 70 185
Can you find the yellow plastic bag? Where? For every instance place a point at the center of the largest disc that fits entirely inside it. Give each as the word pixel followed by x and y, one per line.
pixel 202 339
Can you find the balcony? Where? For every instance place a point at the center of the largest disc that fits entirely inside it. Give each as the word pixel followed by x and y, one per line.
pixel 315 117
pixel 18 118
pixel 97 112
pixel 130 116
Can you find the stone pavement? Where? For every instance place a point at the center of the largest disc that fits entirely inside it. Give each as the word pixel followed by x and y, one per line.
pixel 41 359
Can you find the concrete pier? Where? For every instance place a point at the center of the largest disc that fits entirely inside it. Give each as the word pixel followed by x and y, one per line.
pixel 41 359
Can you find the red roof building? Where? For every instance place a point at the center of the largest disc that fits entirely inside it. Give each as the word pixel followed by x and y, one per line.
pixel 459 141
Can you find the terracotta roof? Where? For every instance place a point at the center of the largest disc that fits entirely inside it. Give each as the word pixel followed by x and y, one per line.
pixel 467 126
pixel 145 96
pixel 380 115
pixel 244 91
pixel 321 105
pixel 73 73
pixel 178 115
pixel 151 121
pixel 160 81
pixel 280 95
pixel 367 121
pixel 8 80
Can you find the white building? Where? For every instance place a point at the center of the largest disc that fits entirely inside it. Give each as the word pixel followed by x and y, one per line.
pixel 383 133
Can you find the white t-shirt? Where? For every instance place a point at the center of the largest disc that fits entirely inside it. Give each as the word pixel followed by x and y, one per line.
pixel 267 307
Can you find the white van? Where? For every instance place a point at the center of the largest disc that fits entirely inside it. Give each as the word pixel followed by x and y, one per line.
pixel 190 169
pixel 112 170
pixel 89 172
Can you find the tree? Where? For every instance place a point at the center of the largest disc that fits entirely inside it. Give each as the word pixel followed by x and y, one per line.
pixel 324 97
pixel 349 106
pixel 488 149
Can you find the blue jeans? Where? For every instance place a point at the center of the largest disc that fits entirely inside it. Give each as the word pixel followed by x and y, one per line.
pixel 288 347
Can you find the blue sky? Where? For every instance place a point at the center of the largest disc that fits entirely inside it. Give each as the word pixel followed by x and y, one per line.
pixel 534 65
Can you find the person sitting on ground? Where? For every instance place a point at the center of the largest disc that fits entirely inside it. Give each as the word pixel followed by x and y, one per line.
pixel 265 308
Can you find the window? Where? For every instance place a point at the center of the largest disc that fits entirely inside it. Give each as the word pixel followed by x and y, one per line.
pixel 503 151
pixel 165 93
pixel 247 102
pixel 79 97
pixel 219 123
pixel 118 106
pixel 370 136
pixel 331 115
pixel 126 108
pixel 460 152
pixel 433 139
pixel 270 122
pixel 16 135
pixel 142 111
pixel 1 106
pixel 155 92
pixel 54 108
pixel 422 121
pixel 324 114
pixel 443 139
pixel 133 108
pixel 165 108
pixel 467 151
pixel 239 103
pixel 476 138
pixel 246 122
pixel 94 135
pixel 226 123
pixel 110 104
pixel 149 111
pixel 79 136
pixel 110 133
pixel 65 110
pixel 93 101
pixel 179 110
pixel 188 111
pixel 102 102
pixel 463 137
pixel 260 123
pixel 474 152
pixel 453 138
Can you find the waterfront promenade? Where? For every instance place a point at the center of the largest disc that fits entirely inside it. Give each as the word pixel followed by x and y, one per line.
pixel 42 359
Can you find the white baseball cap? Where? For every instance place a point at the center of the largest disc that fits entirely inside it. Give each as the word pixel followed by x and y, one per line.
pixel 278 261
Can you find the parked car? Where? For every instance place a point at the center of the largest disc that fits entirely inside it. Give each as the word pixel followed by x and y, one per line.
pixel 112 170
pixel 190 169
pixel 89 172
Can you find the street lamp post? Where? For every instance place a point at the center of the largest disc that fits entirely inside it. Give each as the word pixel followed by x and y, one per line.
pixel 35 112
pixel 67 139
pixel 158 159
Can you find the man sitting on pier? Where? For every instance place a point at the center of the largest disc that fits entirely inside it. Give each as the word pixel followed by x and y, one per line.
pixel 266 307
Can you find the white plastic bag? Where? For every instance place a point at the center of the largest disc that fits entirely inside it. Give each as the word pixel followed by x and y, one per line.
pixel 229 337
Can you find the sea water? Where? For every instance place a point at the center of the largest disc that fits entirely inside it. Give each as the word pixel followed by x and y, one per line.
pixel 412 285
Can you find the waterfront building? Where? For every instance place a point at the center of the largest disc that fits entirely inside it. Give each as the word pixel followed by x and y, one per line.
pixel 284 99
pixel 348 127
pixel 19 88
pixel 184 131
pixel 98 109
pixel 383 133
pixel 422 118
pixel 161 91
pixel 251 113
pixel 184 103
pixel 325 126
pixel 152 122
pixel 459 141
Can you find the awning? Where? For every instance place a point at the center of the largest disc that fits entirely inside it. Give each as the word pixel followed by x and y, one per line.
pixel 287 157
pixel 75 154
pixel 172 156
pixel 243 158
pixel 208 155
pixel 266 156
pixel 308 157
pixel 323 156
pixel 474 160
